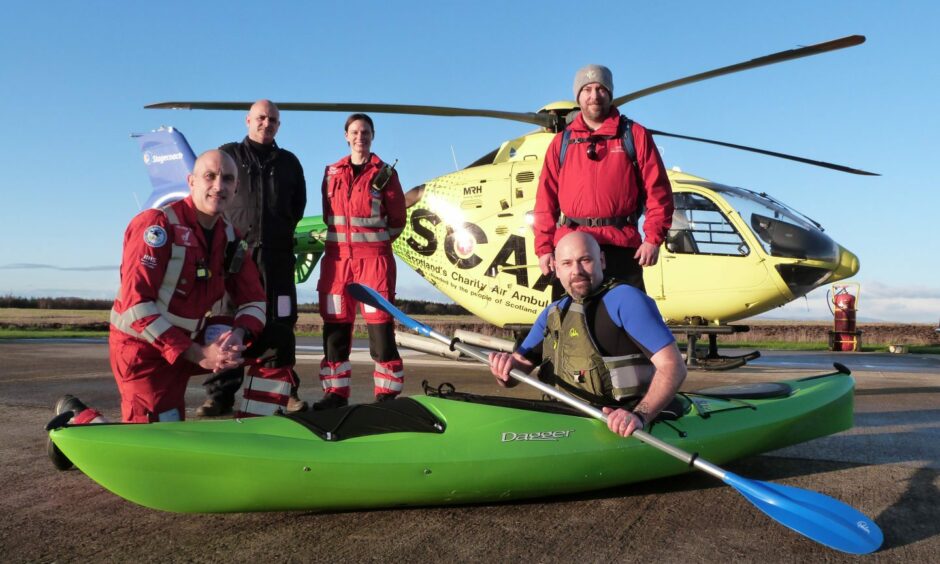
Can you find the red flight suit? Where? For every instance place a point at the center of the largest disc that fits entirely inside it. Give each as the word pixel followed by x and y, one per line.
pixel 171 278
pixel 363 214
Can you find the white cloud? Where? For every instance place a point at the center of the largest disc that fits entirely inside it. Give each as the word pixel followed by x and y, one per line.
pixel 878 290
pixel 877 302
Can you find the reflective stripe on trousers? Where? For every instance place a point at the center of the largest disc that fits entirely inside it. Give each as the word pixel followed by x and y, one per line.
pixel 389 377
pixel 335 376
pixel 266 392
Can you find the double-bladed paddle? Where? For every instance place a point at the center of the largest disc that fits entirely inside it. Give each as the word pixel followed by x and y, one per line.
pixel 813 515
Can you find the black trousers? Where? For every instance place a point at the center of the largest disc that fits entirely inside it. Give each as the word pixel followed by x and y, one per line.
pixel 337 341
pixel 278 343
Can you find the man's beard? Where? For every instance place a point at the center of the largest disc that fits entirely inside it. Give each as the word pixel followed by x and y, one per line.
pixel 580 287
pixel 596 112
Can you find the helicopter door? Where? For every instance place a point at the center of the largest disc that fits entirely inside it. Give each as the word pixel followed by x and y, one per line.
pixel 704 255
pixel 525 180
pixel 653 275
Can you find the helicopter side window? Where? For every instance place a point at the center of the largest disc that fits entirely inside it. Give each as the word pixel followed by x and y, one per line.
pixel 699 228
pixel 679 239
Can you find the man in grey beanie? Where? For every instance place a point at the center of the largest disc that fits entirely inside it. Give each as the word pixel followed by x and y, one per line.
pixel 603 186
pixel 591 74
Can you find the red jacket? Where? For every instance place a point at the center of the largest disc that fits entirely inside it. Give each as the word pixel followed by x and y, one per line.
pixel 361 221
pixel 603 188
pixel 171 278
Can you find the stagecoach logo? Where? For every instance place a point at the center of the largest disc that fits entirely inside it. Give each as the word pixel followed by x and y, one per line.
pixel 155 236
pixel 537 436
pixel 863 526
pixel 150 158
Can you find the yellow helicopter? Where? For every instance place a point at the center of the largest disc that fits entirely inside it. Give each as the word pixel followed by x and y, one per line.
pixel 731 253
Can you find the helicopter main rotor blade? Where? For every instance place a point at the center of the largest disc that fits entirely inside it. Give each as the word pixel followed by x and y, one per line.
pixel 766 152
pixel 542 120
pixel 849 41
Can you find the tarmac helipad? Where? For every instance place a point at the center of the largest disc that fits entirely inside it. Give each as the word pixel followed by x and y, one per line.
pixel 888 466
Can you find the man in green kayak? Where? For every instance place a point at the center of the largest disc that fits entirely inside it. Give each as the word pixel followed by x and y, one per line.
pixel 603 342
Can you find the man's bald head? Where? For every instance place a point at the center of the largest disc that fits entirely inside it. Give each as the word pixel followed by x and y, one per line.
pixel 213 154
pixel 579 264
pixel 578 241
pixel 264 119
pixel 212 184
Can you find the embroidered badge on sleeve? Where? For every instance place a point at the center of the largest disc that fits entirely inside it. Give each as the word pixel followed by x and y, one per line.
pixel 155 236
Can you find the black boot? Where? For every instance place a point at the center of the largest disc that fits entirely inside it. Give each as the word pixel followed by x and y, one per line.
pixel 67 407
pixel 379 398
pixel 330 401
pixel 69 403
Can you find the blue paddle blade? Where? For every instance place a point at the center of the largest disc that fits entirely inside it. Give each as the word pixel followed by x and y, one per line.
pixel 814 515
pixel 369 296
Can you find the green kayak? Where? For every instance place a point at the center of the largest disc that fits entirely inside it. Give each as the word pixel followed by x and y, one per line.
pixel 442 448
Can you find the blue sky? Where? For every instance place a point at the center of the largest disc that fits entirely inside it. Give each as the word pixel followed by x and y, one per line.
pixel 76 76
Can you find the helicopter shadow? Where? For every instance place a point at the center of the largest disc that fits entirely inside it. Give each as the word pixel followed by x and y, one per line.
pixel 915 516
pixel 899 439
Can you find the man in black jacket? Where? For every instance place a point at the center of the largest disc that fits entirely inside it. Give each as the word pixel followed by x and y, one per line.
pixel 266 208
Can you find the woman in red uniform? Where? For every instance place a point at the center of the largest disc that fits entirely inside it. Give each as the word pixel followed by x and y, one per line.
pixel 364 210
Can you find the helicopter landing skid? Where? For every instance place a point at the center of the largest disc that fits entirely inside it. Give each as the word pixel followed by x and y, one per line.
pixel 710 359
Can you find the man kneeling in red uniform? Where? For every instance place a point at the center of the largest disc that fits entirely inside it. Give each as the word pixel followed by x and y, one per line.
pixel 179 262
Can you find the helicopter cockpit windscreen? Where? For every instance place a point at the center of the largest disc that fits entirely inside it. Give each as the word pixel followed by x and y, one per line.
pixel 699 228
pixel 782 232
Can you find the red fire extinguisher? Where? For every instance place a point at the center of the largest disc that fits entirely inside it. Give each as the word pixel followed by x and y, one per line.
pixel 844 304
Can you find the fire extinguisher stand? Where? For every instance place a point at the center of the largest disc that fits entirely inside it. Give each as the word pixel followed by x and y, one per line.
pixel 843 303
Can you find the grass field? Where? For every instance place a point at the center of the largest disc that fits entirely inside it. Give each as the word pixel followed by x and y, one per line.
pixel 16 323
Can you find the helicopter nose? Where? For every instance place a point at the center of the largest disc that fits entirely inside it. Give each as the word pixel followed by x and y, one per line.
pixel 848 265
